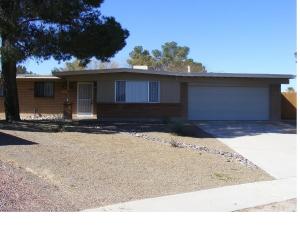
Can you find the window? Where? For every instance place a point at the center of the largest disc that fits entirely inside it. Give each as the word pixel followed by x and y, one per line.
pixel 1 90
pixel 137 91
pixel 153 91
pixel 43 89
pixel 120 91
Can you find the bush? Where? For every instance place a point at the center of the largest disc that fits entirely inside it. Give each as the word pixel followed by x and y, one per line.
pixel 166 120
pixel 181 129
pixel 178 128
pixel 175 144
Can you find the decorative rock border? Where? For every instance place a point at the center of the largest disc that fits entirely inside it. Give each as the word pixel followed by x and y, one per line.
pixel 54 117
pixel 229 155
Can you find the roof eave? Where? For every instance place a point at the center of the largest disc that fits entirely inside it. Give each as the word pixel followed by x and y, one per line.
pixel 176 74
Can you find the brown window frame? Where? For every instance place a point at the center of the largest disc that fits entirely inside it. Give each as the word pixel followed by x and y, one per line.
pixel 37 94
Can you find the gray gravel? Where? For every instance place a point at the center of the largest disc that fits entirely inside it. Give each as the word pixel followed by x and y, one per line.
pixel 22 191
pixel 91 170
pixel 228 155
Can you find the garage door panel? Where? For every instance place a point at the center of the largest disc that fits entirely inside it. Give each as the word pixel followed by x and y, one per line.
pixel 228 103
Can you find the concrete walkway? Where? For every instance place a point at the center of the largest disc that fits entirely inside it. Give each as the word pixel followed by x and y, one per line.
pixel 223 199
pixel 270 145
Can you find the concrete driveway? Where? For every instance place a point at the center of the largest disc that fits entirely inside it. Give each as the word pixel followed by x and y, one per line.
pixel 270 145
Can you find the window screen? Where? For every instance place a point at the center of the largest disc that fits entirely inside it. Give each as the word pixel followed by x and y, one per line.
pixel 137 91
pixel 120 91
pixel 43 89
pixel 153 91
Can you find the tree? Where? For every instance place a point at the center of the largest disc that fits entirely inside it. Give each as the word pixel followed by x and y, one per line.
pixel 290 89
pixel 171 57
pixel 76 65
pixel 103 65
pixel 62 29
pixel 22 70
pixel 139 56
pixel 71 66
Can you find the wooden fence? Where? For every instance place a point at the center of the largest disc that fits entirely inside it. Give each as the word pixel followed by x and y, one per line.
pixel 288 105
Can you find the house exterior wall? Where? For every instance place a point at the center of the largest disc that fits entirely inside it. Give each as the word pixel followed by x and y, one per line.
pixel 174 91
pixel 31 105
pixel 173 95
pixel 169 88
pixel 275 102
pixel 169 106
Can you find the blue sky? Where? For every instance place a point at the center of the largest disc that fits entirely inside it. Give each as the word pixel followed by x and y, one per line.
pixel 250 36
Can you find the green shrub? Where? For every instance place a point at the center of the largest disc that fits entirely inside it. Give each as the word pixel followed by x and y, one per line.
pixel 175 144
pixel 178 128
pixel 182 129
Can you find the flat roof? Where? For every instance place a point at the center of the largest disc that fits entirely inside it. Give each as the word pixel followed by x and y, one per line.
pixel 167 73
pixel 36 76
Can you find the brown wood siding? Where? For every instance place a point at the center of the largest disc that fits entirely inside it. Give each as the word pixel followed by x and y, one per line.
pixel 288 105
pixel 29 104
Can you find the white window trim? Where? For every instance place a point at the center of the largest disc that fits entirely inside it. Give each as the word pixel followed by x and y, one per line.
pixel 116 91
pixel 148 81
pixel 158 90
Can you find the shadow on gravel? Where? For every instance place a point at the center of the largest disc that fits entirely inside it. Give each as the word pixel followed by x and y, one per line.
pixel 201 129
pixel 7 139
pixel 106 127
pixel 58 126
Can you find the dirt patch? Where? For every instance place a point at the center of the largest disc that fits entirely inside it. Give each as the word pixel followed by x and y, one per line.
pixel 22 191
pixel 98 169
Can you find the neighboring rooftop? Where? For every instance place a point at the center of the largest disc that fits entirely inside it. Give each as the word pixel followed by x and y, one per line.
pixel 166 73
pixel 35 76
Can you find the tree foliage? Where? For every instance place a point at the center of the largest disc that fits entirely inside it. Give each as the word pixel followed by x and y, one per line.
pixel 22 70
pixel 139 56
pixel 290 89
pixel 62 29
pixel 171 57
pixel 96 64
pixel 76 65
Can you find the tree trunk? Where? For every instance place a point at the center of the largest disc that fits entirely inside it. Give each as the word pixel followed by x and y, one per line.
pixel 11 102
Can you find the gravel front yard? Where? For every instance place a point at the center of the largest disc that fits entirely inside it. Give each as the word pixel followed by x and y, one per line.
pixel 23 191
pixel 92 170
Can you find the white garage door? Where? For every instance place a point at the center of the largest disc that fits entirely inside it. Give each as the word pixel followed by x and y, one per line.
pixel 228 103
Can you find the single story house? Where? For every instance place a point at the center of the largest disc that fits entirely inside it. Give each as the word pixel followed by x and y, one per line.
pixel 141 93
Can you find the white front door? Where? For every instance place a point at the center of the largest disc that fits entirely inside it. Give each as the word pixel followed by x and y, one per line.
pixel 85 98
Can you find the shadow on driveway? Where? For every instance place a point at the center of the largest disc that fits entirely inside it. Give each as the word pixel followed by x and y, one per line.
pixel 7 139
pixel 231 129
